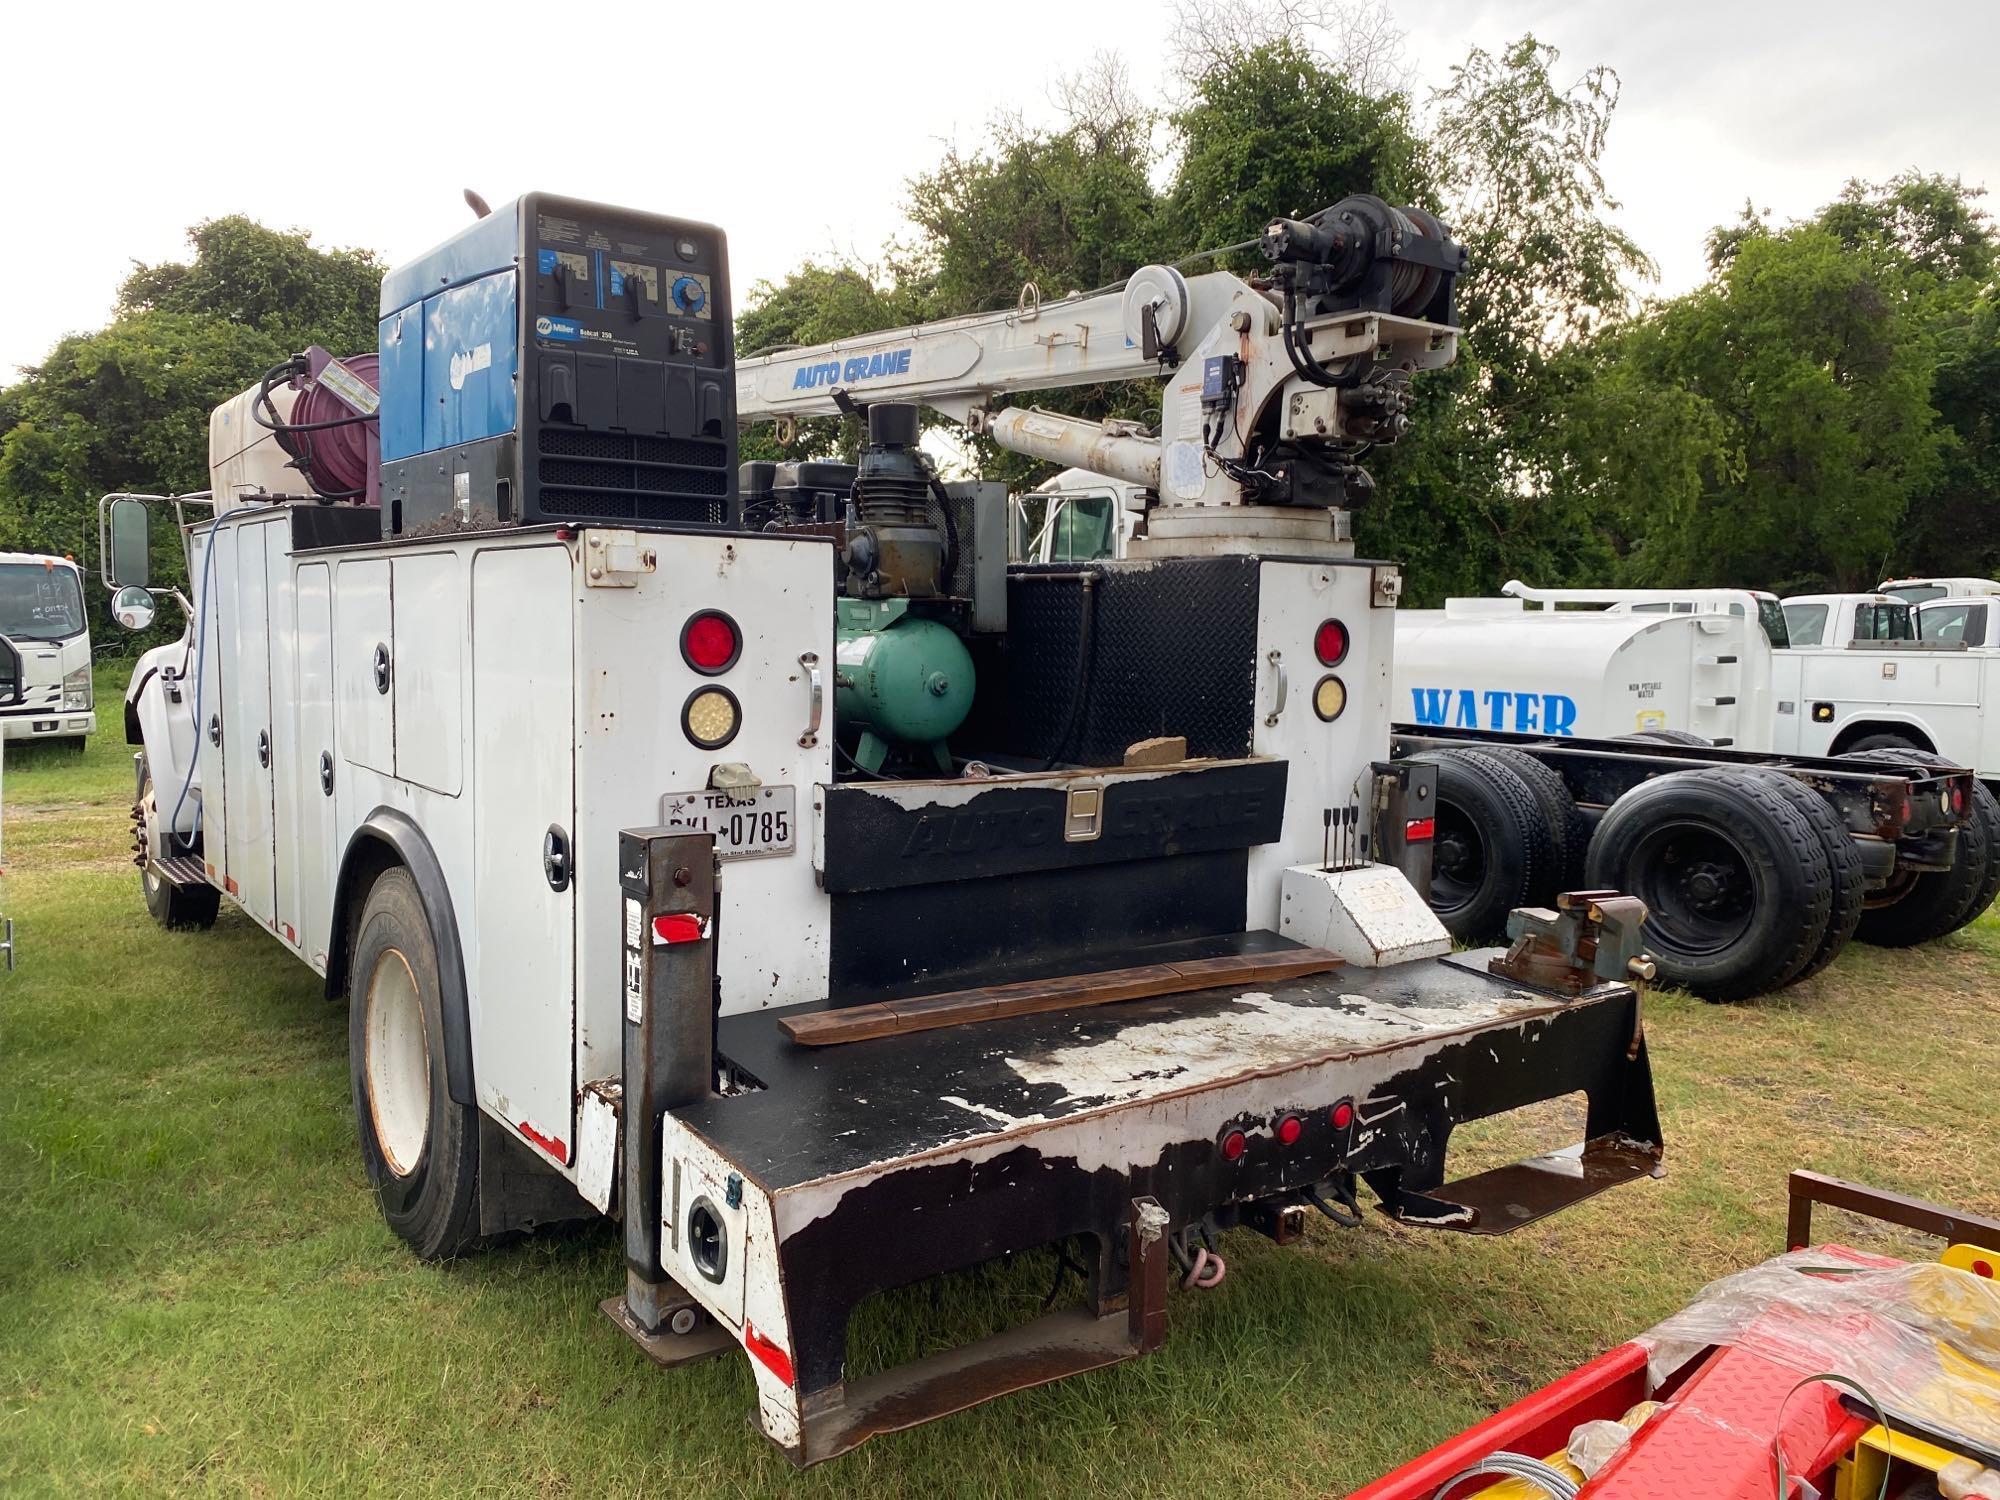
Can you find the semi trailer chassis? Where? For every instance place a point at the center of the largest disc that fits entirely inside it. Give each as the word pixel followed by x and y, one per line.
pixel 1901 817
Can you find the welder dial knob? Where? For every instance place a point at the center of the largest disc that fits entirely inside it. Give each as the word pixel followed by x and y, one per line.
pixel 689 295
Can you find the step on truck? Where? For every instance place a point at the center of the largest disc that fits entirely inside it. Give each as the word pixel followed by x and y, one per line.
pixel 1653 740
pixel 761 861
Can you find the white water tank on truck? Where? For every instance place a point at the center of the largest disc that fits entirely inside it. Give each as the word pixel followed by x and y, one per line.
pixel 1495 664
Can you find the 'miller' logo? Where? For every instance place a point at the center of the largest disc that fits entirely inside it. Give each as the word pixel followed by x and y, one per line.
pixel 1524 713
pixel 860 367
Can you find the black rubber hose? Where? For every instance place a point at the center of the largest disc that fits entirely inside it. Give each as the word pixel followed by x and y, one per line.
pixel 1086 651
pixel 950 531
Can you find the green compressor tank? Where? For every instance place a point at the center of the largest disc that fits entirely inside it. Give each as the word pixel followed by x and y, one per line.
pixel 900 678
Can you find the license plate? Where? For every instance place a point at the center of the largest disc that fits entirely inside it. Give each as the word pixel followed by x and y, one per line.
pixel 747 824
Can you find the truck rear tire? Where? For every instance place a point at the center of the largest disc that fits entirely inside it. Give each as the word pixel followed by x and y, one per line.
pixel 1850 877
pixel 1737 884
pixel 172 905
pixel 1930 903
pixel 1491 850
pixel 1551 793
pixel 420 1147
pixel 1899 743
pixel 1668 737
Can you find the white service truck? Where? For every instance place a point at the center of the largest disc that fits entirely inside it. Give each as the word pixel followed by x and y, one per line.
pixel 45 686
pixel 755 858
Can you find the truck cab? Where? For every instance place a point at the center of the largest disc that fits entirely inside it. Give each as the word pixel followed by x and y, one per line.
pixel 1075 517
pixel 1969 621
pixel 45 689
pixel 1832 622
pixel 1876 672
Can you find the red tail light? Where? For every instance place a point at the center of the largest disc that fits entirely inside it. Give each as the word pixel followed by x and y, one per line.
pixel 710 642
pixel 1234 1143
pixel 679 927
pixel 1341 1115
pixel 1330 643
pixel 1290 1129
pixel 1419 829
pixel 1958 797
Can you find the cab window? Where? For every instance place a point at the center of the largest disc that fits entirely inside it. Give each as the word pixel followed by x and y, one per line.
pixel 39 602
pixel 1805 624
pixel 1084 529
pixel 1883 622
pixel 1953 623
pixel 1771 615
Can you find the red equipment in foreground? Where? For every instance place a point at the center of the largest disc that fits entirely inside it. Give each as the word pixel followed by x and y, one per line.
pixel 1716 1420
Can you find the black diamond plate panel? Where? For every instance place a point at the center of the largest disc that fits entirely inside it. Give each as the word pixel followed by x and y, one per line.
pixel 1173 651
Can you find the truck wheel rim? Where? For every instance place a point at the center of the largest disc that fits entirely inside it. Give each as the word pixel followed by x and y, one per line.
pixel 1696 883
pixel 397 1063
pixel 1458 866
pixel 143 813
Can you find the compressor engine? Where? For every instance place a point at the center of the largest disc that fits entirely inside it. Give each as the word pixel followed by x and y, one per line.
pixel 903 673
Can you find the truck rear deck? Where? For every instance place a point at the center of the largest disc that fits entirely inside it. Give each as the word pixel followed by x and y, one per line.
pixel 848 1170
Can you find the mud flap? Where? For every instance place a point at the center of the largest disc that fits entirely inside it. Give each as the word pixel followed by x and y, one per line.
pixel 1070 1342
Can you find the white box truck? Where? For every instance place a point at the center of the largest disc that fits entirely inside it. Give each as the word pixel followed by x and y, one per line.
pixel 45 686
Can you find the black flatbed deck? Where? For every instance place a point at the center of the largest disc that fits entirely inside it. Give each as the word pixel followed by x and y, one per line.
pixel 828 1111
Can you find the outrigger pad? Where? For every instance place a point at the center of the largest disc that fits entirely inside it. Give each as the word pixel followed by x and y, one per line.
pixel 1513 1197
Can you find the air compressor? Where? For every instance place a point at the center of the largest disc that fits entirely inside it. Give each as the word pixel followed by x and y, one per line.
pixel 903 675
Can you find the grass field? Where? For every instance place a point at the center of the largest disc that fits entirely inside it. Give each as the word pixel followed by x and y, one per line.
pixel 196 1292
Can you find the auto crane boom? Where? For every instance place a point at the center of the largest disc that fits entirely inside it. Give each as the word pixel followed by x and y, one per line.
pixel 1275 385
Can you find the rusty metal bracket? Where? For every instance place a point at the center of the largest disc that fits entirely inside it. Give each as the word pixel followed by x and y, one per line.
pixel 1590 938
pixel 1804 1189
pixel 1048 1348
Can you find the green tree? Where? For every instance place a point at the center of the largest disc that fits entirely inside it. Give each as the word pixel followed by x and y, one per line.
pixel 126 408
pixel 268 279
pixel 1475 494
pixel 1820 413
pixel 1272 133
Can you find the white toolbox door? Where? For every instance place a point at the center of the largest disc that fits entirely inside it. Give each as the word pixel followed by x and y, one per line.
pixel 523 931
pixel 362 625
pixel 246 726
pixel 319 846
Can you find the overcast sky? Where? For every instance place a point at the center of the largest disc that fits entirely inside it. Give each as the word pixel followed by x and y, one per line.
pixel 794 126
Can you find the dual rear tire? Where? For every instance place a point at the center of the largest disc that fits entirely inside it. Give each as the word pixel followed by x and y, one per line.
pixel 1750 881
pixel 1747 888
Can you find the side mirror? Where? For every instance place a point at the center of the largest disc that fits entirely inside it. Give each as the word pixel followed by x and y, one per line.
pixel 130 554
pixel 133 607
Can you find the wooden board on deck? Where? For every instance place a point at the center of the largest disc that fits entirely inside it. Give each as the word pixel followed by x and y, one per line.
pixel 860 1023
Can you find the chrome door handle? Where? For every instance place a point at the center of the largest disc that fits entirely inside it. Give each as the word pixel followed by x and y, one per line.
pixel 815 699
pixel 1280 688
